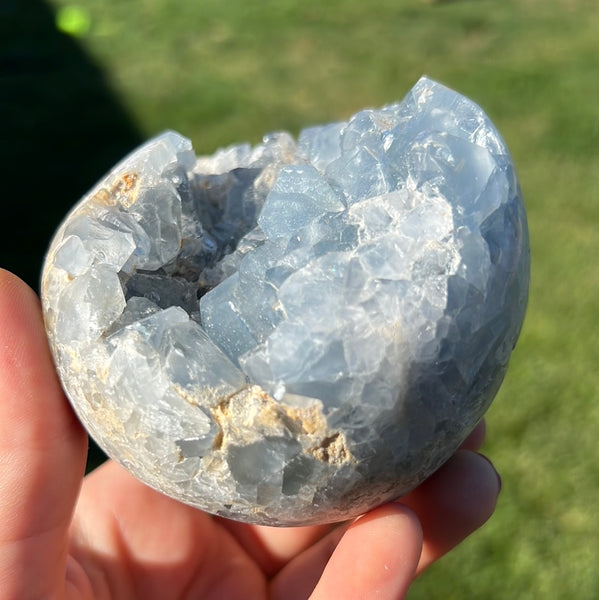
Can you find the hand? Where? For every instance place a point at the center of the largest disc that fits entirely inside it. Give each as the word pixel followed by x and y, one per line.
pixel 113 537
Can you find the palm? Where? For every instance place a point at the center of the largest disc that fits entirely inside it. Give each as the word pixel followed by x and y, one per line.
pixel 131 542
pixel 115 538
pixel 145 545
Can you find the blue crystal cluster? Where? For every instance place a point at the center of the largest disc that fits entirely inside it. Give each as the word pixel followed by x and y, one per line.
pixel 295 332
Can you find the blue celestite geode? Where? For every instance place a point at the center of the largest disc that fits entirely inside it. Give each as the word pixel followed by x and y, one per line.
pixel 295 332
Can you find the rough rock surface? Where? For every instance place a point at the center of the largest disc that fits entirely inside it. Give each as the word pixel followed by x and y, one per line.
pixel 295 332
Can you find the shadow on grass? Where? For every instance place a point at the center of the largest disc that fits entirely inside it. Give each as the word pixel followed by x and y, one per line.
pixel 61 128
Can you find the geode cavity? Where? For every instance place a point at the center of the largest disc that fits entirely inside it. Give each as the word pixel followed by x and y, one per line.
pixel 295 332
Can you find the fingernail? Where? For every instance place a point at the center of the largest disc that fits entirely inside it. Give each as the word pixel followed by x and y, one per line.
pixel 499 482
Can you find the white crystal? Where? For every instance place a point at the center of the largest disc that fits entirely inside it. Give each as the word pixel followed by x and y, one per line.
pixel 299 196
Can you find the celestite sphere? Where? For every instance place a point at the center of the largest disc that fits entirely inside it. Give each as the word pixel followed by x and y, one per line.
pixel 295 332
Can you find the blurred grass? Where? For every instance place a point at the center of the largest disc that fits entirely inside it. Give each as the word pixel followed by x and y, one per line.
pixel 222 72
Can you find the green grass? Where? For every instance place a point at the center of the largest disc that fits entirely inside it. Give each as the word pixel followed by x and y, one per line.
pixel 222 72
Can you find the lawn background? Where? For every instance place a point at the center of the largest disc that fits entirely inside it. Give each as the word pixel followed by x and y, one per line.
pixel 227 71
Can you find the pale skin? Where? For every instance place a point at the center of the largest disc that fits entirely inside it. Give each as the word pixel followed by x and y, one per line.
pixel 63 536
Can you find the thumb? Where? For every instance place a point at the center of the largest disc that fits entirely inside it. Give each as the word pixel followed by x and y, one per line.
pixel 42 452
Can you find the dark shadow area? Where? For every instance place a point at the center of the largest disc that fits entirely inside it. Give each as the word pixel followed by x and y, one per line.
pixel 61 129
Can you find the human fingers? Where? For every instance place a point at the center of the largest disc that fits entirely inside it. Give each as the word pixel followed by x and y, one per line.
pixel 476 438
pixel 454 502
pixel 375 556
pixel 42 452
pixel 274 547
